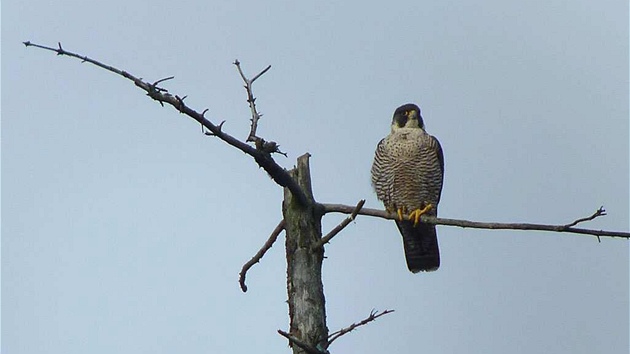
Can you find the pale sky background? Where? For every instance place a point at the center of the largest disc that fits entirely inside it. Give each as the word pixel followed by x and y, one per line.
pixel 124 228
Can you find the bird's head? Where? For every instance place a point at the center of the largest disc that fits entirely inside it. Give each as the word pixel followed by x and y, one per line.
pixel 407 116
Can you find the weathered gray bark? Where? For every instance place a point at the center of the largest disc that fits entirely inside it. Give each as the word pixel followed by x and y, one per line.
pixel 305 289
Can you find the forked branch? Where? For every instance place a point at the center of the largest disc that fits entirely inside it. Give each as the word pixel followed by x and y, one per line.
pixel 599 212
pixel 251 100
pixel 260 143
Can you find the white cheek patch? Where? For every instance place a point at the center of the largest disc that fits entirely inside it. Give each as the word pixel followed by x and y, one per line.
pixel 412 123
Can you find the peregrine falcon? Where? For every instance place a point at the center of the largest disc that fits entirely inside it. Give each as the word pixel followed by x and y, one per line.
pixel 407 176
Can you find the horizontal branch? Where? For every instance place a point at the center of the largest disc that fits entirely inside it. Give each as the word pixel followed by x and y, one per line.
pixel 567 228
pixel 262 158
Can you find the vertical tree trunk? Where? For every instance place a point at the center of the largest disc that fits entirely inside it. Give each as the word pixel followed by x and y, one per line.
pixel 307 310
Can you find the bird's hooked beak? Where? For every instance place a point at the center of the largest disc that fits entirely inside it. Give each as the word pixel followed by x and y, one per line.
pixel 413 114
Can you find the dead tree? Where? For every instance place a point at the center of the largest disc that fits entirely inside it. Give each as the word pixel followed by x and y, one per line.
pixel 302 216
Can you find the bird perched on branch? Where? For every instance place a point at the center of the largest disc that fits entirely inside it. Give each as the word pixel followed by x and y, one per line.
pixel 407 176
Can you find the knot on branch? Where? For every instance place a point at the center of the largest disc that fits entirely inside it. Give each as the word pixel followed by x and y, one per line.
pixel 267 147
pixel 158 93
pixel 180 106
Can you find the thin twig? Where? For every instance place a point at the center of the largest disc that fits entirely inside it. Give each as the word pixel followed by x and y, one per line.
pixel 599 212
pixel 262 158
pixel 162 80
pixel 348 209
pixel 340 227
pixel 251 100
pixel 272 238
pixel 307 348
pixel 373 315
pixel 261 73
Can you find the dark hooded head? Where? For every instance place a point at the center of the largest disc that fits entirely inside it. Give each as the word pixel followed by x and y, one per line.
pixel 407 116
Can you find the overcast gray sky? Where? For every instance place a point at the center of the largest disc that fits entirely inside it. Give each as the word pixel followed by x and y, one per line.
pixel 124 228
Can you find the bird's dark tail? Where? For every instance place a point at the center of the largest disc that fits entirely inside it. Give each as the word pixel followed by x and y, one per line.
pixel 421 246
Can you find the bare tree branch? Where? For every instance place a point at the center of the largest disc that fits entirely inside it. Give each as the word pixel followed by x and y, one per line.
pixel 599 212
pixel 568 228
pixel 341 226
pixel 272 238
pixel 307 348
pixel 373 315
pixel 261 155
pixel 251 100
pixel 261 144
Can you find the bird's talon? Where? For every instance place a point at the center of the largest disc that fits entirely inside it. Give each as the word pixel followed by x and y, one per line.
pixel 416 214
pixel 400 212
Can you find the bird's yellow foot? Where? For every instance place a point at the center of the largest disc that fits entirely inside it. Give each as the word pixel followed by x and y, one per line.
pixel 416 214
pixel 401 211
